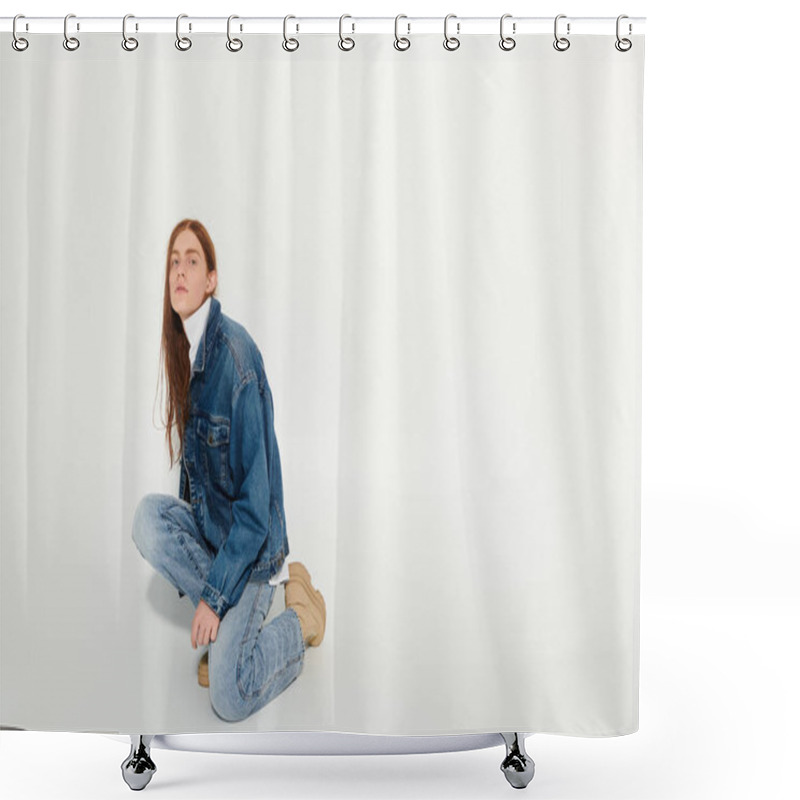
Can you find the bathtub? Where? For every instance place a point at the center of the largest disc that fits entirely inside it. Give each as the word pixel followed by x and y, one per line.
pixel 139 767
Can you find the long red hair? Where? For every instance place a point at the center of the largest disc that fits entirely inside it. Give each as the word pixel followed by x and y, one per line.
pixel 175 345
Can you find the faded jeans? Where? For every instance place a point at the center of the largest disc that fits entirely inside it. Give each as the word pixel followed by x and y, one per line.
pixel 248 665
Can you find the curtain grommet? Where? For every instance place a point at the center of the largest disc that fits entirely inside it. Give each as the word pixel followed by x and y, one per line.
pixel 507 42
pixel 183 43
pixel 234 45
pixel 342 38
pixel 623 45
pixel 406 42
pixel 560 40
pixel 290 48
pixel 70 42
pixel 129 43
pixel 451 42
pixel 19 43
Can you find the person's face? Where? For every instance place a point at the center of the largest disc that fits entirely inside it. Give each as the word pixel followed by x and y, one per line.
pixel 190 282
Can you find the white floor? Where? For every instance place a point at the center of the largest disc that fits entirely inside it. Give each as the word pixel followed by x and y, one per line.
pixel 719 700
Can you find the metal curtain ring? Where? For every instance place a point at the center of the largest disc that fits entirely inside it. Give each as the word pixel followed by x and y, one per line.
pixel 286 45
pixel 506 42
pixel 181 42
pixel 234 45
pixel 619 43
pixel 451 42
pixel 406 43
pixel 128 42
pixel 342 40
pixel 560 39
pixel 17 42
pixel 70 42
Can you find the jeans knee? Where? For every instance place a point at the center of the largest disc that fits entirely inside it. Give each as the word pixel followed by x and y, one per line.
pixel 146 522
pixel 226 699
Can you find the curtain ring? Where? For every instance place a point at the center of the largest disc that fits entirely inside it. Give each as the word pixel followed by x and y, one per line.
pixel 561 39
pixel 397 38
pixel 347 39
pixel 128 42
pixel 18 43
pixel 619 43
pixel 234 45
pixel 70 42
pixel 506 42
pixel 451 40
pixel 181 42
pixel 285 40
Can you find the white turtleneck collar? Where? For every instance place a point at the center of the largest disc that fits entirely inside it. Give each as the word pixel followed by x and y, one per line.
pixel 194 327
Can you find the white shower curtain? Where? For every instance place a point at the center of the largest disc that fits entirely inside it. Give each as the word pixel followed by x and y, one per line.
pixel 438 255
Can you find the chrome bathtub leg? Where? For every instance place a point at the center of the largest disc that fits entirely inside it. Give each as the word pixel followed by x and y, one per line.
pixel 517 766
pixel 138 767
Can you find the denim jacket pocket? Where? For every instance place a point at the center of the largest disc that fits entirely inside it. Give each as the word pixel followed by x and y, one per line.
pixel 213 436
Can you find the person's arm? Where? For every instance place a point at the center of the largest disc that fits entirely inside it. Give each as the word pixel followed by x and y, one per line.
pixel 232 565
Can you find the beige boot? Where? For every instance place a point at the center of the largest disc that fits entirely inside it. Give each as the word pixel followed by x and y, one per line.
pixel 202 670
pixel 307 602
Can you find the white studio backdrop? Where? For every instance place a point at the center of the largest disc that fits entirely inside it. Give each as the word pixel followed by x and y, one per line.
pixel 439 256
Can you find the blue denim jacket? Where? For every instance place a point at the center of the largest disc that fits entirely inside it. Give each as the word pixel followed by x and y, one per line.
pixel 231 469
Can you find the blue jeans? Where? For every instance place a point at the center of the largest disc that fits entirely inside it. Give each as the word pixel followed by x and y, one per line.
pixel 248 665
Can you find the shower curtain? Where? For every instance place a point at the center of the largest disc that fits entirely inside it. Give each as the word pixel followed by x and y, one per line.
pixel 437 254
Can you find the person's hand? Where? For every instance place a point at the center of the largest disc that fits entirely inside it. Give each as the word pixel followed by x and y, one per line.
pixel 204 625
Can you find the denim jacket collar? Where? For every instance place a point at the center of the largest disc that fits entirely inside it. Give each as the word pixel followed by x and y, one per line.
pixel 207 342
